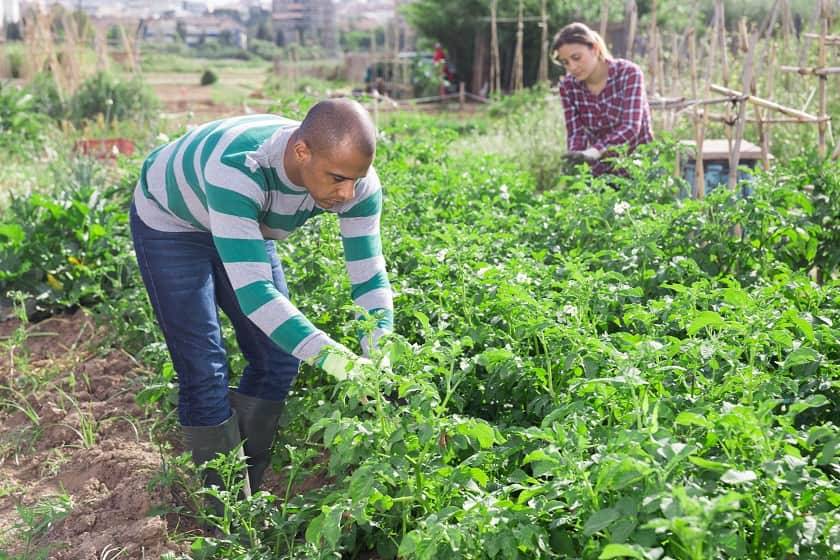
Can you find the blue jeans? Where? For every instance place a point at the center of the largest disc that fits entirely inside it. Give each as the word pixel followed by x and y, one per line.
pixel 186 281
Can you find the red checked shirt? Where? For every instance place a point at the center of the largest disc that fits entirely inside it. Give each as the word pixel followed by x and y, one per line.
pixel 619 114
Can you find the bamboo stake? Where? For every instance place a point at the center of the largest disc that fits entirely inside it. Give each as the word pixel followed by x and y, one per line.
pixel 542 74
pixel 633 16
pixel 604 18
pixel 672 76
pixel 101 47
pixel 723 44
pixel 735 154
pixel 803 41
pixel 653 51
pixel 495 66
pixel 518 57
pixel 699 189
pixel 764 103
pixel 807 71
pixel 823 79
pixel 771 90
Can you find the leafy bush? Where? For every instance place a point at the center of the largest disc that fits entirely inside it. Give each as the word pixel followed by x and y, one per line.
pixel 21 126
pixel 209 77
pixel 45 97
pixel 116 99
pixel 69 245
pixel 15 59
pixel 264 49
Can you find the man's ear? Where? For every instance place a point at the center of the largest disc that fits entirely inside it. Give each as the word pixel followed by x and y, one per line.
pixel 302 152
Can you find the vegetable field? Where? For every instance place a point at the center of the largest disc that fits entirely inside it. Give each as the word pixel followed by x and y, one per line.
pixel 589 371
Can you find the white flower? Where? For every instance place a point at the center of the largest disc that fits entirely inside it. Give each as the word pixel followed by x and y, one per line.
pixel 522 278
pixel 620 208
pixel 503 192
pixel 162 138
pixel 441 255
pixel 570 310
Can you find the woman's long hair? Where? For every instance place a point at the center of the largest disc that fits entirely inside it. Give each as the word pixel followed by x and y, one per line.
pixel 580 34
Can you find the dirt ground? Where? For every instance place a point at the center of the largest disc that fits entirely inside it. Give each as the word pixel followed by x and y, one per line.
pixel 63 382
pixel 233 94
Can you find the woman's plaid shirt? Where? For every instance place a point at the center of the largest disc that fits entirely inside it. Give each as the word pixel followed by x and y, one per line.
pixel 618 115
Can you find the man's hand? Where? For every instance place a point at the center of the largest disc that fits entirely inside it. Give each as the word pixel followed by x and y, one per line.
pixel 343 364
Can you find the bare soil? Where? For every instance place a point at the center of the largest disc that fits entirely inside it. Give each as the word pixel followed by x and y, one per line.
pixel 59 375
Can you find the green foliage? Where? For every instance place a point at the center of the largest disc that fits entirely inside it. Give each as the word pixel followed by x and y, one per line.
pixel 67 246
pixel 209 77
pixel 45 96
pixel 266 50
pixel 113 98
pixel 35 520
pixel 21 126
pixel 590 371
pixel 15 60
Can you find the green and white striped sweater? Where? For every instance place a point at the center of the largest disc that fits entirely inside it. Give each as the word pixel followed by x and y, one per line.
pixel 227 178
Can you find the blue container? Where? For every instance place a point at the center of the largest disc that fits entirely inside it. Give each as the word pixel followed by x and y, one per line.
pixel 716 173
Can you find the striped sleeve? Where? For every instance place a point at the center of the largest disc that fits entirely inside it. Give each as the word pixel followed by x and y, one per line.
pixel 369 285
pixel 235 201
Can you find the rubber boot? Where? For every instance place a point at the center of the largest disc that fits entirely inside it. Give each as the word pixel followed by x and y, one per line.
pixel 205 443
pixel 258 419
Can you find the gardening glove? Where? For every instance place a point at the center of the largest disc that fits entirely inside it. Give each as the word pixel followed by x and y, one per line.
pixel 591 155
pixel 341 363
pixel 574 157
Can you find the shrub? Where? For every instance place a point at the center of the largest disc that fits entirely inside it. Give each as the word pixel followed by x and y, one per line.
pixel 20 124
pixel 115 99
pixel 209 77
pixel 45 97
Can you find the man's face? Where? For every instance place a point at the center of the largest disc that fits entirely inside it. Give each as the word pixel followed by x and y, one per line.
pixel 331 177
pixel 579 60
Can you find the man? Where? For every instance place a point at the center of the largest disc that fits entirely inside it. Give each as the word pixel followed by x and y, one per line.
pixel 206 212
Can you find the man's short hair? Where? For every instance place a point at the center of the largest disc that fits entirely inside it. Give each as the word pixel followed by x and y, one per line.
pixel 334 122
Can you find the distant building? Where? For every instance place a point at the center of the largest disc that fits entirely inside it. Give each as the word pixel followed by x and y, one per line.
pixel 305 22
pixel 9 11
pixel 159 30
pixel 200 29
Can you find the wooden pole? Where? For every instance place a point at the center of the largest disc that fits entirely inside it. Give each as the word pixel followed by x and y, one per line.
pixel 699 189
pixel 673 72
pixel 542 74
pixel 605 14
pixel 803 41
pixel 495 66
pixel 734 156
pixel 771 86
pixel 823 79
pixel 765 103
pixel 653 50
pixel 632 18
pixel 518 56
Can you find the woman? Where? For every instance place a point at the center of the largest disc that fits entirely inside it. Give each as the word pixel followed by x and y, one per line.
pixel 603 97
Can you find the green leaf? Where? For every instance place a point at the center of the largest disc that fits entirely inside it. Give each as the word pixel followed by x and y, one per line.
pixel 813 401
pixel 687 418
pixel 705 319
pixel 600 520
pixel 622 551
pixel 733 476
pixel 708 465
pixel 800 357
pixel 13 233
